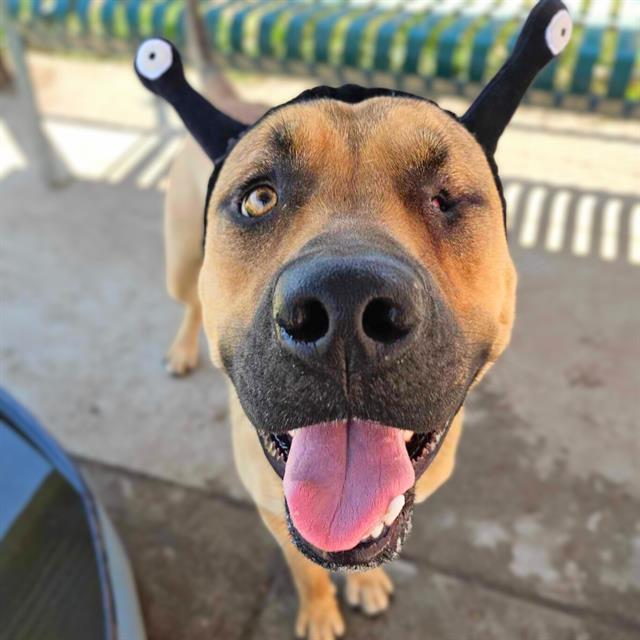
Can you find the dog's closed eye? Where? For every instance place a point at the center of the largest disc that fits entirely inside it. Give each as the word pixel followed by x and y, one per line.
pixel 259 201
pixel 440 202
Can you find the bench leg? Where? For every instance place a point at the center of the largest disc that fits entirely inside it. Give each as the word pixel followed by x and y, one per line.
pixel 51 166
pixel 161 113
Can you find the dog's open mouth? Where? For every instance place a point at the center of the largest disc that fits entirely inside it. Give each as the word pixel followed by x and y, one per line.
pixel 349 487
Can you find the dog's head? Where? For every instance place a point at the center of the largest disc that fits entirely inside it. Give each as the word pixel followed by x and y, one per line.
pixel 356 282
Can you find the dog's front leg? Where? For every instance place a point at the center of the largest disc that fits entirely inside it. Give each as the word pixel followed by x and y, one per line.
pixel 182 356
pixel 319 616
pixel 183 251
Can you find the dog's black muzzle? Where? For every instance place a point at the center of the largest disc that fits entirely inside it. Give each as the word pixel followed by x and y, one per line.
pixel 352 328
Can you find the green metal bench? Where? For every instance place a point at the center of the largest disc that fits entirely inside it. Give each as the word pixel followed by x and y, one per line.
pixel 423 46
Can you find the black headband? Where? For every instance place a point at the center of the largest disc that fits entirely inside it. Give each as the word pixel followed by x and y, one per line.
pixel 544 35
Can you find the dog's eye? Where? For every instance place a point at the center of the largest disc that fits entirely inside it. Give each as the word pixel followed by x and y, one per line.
pixel 259 201
pixel 440 202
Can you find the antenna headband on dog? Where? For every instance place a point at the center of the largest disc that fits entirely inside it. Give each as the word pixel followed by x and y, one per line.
pixel 544 35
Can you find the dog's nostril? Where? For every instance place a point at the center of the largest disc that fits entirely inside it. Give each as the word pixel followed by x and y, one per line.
pixel 384 322
pixel 307 321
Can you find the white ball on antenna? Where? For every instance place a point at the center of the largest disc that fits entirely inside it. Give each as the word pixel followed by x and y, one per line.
pixel 558 31
pixel 153 58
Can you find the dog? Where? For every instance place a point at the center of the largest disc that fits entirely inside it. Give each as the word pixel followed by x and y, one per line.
pixel 354 281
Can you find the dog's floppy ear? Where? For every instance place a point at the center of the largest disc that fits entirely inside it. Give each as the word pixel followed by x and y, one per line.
pixel 159 67
pixel 544 35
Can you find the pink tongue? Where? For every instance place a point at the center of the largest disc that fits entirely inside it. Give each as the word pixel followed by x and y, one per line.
pixel 340 478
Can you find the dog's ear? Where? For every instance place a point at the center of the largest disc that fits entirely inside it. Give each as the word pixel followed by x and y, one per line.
pixel 159 67
pixel 544 35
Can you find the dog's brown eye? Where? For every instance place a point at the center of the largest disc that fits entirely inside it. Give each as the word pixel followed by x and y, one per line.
pixel 259 201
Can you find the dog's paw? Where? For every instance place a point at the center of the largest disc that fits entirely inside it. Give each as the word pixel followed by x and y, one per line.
pixel 369 591
pixel 181 359
pixel 320 619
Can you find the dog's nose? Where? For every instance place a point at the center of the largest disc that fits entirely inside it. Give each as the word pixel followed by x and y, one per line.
pixel 355 310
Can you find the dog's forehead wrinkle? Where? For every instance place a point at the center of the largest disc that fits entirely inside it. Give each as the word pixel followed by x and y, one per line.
pixel 425 160
pixel 282 138
pixel 370 135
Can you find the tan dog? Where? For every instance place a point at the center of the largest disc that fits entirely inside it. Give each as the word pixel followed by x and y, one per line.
pixel 232 278
pixel 355 282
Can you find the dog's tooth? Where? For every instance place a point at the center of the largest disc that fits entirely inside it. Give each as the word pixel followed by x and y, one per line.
pixel 291 433
pixel 394 509
pixel 377 530
pixel 365 538
pixel 407 435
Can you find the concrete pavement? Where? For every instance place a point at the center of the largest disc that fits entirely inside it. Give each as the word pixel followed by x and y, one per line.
pixel 538 533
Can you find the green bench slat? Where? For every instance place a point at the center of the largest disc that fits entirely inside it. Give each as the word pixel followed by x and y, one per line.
pixel 179 26
pixel 482 43
pixel 385 37
pixel 62 8
pixel 237 26
pixel 418 35
pixel 82 9
pixel 454 36
pixel 587 57
pixel 484 40
pixel 119 19
pixel 140 18
pixel 355 34
pixel 133 17
pixel 13 8
pixel 448 43
pixel 211 19
pixel 626 54
pixel 52 12
pixel 18 8
pixel 295 30
pixel 267 24
pixel 106 15
pixel 596 23
pixel 85 15
pixel 157 17
pixel 323 31
pixel 627 49
pixel 306 29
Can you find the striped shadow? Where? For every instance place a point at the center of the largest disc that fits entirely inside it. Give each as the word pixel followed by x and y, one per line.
pixel 580 222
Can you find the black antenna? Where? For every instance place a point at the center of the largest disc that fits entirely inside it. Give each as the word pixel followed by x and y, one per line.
pixel 159 67
pixel 544 35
